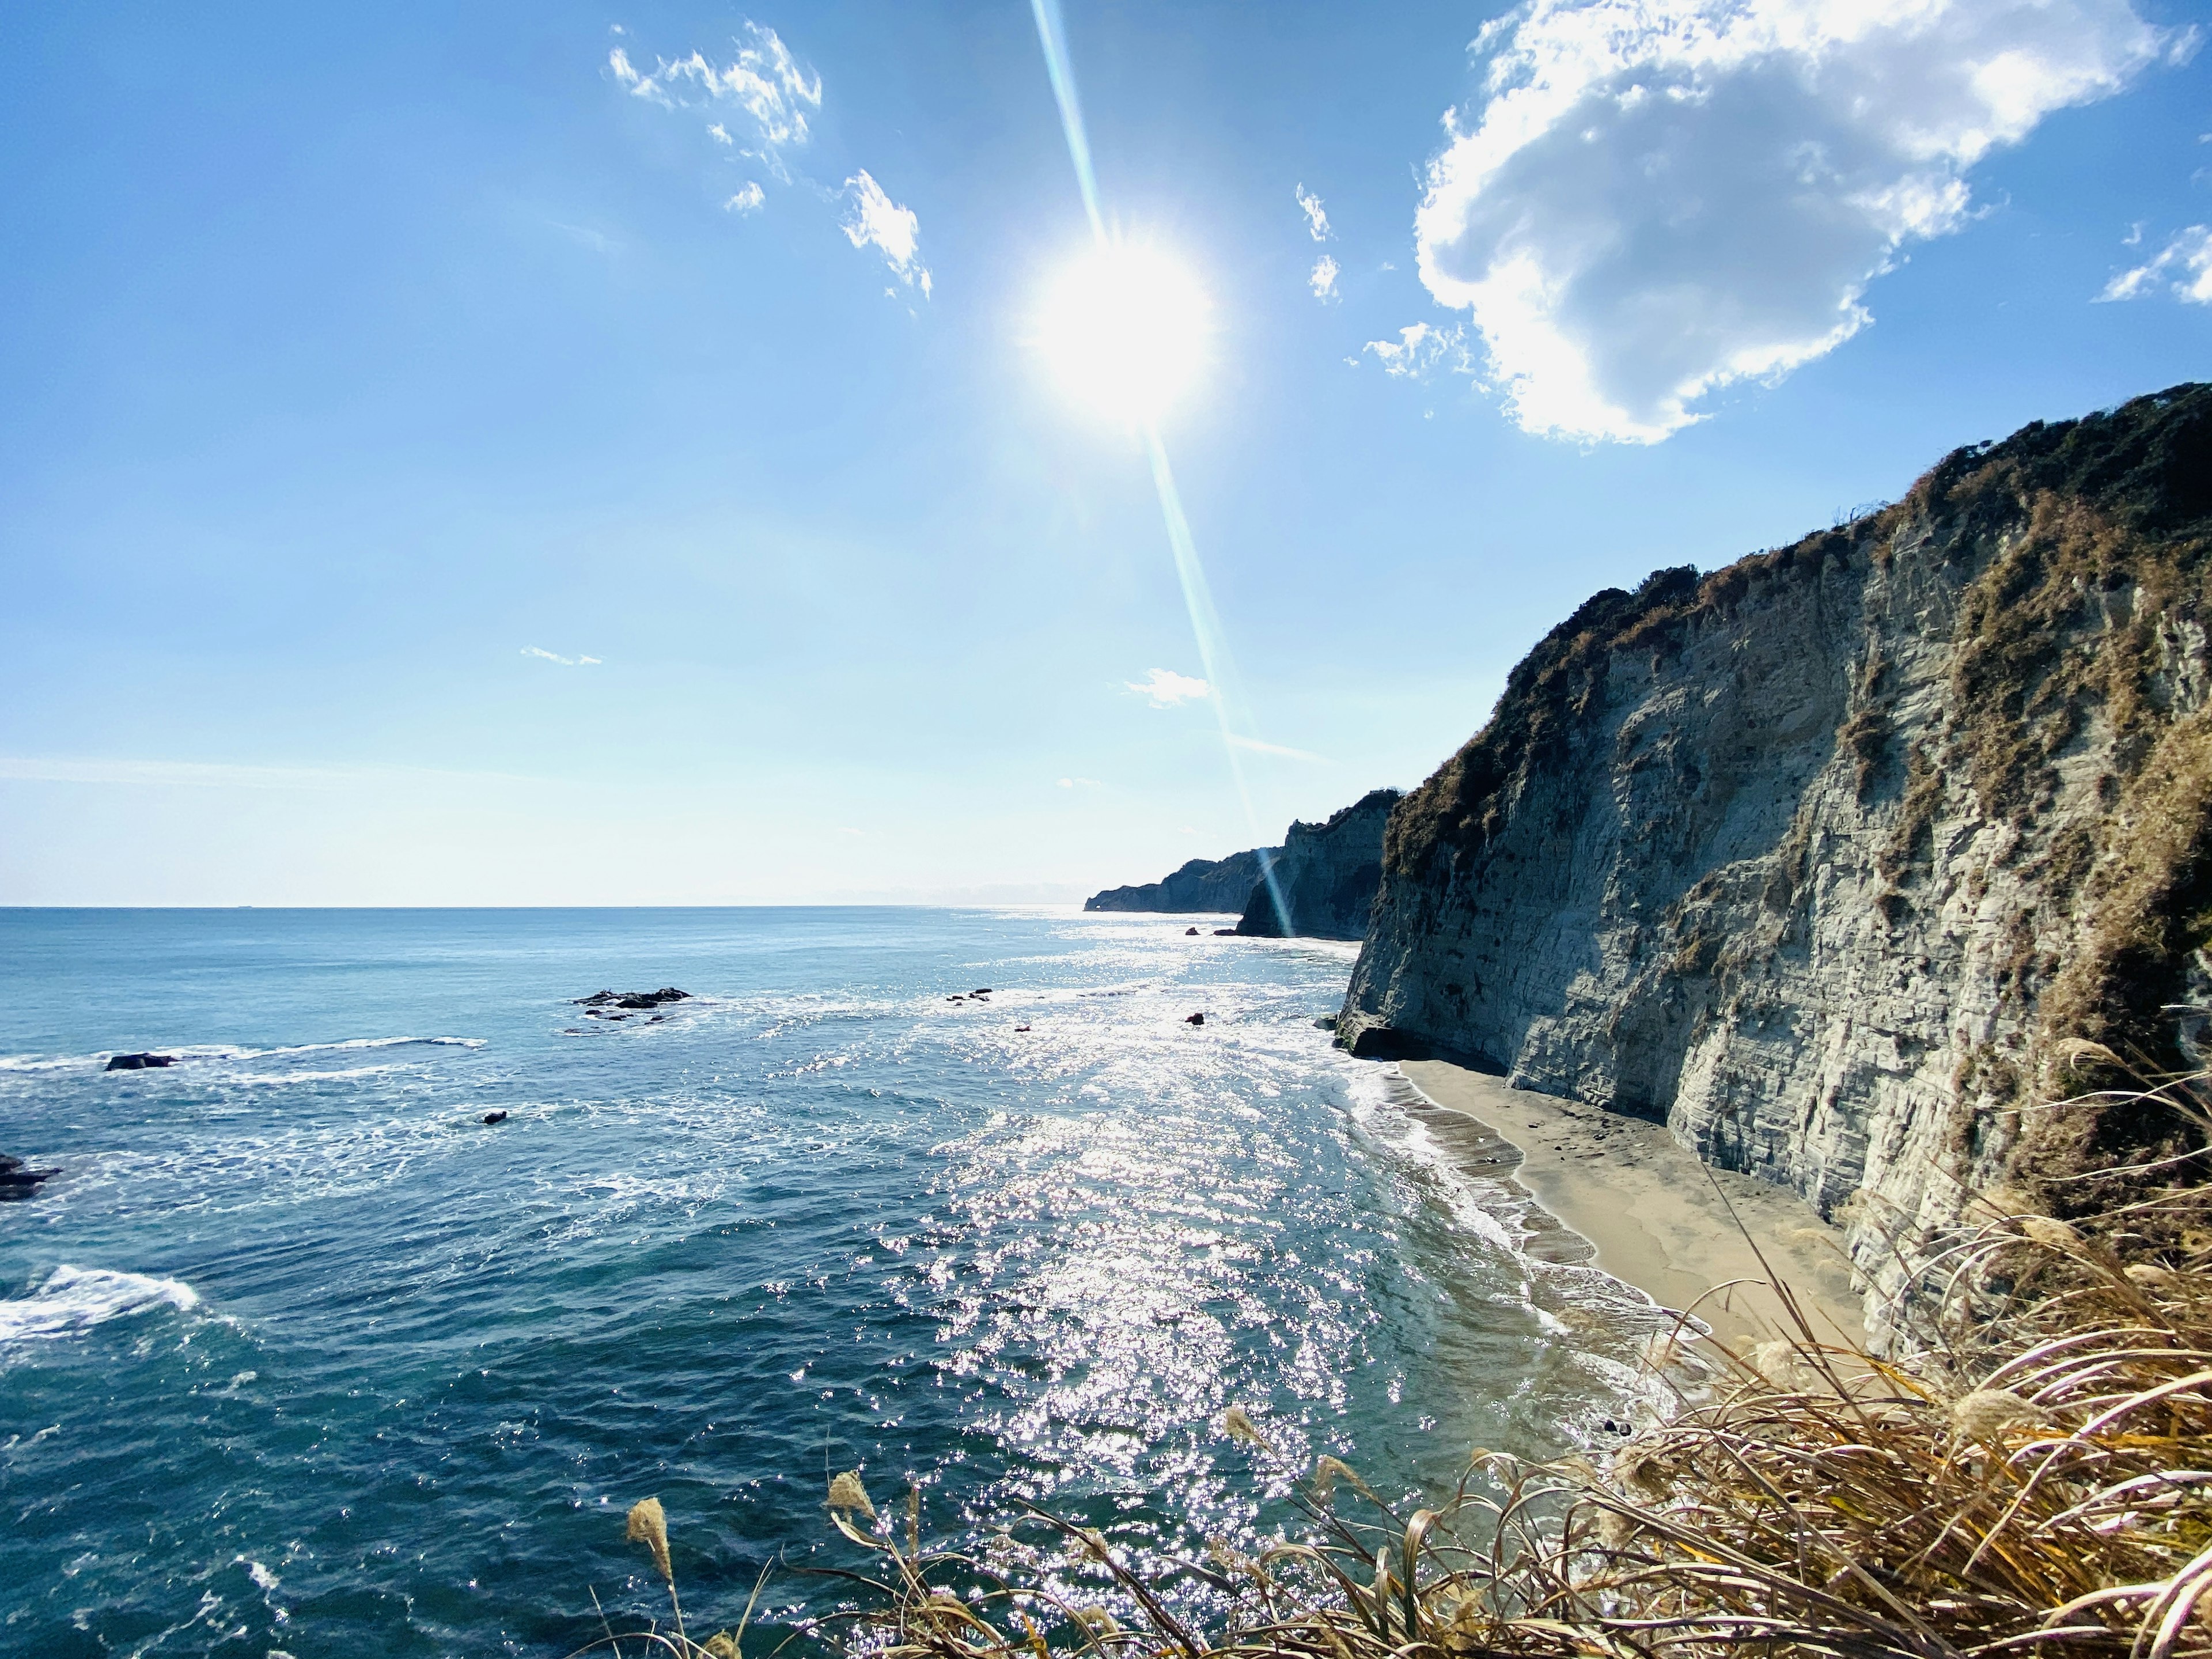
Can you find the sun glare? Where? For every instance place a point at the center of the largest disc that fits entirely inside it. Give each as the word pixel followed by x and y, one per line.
pixel 1125 328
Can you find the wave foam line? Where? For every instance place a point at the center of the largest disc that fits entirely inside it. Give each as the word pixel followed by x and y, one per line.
pixel 74 1299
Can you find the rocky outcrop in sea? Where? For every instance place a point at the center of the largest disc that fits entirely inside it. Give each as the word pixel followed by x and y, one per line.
pixel 1325 875
pixel 1841 858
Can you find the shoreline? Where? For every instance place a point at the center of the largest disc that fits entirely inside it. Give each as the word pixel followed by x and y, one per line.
pixel 1628 1198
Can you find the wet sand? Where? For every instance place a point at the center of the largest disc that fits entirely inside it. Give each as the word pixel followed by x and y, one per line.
pixel 1646 1209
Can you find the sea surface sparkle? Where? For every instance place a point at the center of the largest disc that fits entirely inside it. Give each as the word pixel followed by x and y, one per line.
pixel 300 1355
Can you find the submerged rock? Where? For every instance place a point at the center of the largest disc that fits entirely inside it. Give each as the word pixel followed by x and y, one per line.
pixel 137 1062
pixel 494 1117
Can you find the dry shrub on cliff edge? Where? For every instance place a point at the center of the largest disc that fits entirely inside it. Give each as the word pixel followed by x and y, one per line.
pixel 2036 1479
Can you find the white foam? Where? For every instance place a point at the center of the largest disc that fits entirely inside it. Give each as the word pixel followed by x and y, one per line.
pixel 74 1299
pixel 206 1051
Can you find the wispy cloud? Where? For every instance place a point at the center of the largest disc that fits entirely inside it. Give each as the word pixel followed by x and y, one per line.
pixel 554 656
pixel 1316 216
pixel 1163 687
pixel 1286 752
pixel 215 774
pixel 1656 198
pixel 877 221
pixel 1420 350
pixel 1079 783
pixel 747 200
pixel 598 240
pixel 2183 266
pixel 1323 279
pixel 764 87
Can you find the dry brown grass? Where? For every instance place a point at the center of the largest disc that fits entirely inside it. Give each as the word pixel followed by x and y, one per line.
pixel 2035 1477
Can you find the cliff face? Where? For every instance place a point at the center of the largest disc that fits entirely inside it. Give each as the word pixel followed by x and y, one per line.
pixel 1326 874
pixel 1211 884
pixel 1825 856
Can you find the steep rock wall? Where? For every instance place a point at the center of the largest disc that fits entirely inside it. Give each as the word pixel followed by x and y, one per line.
pixel 1203 884
pixel 1824 857
pixel 1326 875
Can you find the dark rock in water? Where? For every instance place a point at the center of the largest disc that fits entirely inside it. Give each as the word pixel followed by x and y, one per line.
pixel 633 999
pixel 982 992
pixel 138 1062
pixel 1224 932
pixel 1021 1028
pixel 1326 875
pixel 1194 1019
pixel 494 1117
pixel 1190 933
pixel 1327 1022
pixel 19 1181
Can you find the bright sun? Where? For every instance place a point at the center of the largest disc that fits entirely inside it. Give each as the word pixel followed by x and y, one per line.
pixel 1125 329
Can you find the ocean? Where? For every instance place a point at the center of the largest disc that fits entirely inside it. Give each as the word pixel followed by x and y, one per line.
pixel 298 1356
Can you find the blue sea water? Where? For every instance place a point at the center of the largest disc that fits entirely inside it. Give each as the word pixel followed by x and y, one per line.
pixel 299 1356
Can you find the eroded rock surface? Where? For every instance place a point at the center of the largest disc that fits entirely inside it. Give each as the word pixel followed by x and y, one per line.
pixel 1826 857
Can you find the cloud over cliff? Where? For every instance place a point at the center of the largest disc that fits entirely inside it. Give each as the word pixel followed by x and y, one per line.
pixel 1657 197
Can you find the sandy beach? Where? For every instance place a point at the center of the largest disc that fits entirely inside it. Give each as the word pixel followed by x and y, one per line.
pixel 1646 1209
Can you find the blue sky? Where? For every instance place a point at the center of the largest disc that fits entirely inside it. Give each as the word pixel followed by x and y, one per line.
pixel 364 372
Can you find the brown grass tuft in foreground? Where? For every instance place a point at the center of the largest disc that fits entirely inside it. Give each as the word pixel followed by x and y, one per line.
pixel 2035 1479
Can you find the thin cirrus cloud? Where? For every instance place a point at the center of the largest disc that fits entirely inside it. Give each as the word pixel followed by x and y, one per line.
pixel 876 220
pixel 1283 750
pixel 1656 199
pixel 541 653
pixel 747 200
pixel 2183 267
pixel 1163 687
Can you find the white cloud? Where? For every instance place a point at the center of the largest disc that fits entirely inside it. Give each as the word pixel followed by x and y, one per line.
pixel 2184 265
pixel 1076 783
pixel 1260 748
pixel 1165 688
pixel 719 133
pixel 763 81
pixel 1316 218
pixel 878 221
pixel 1323 280
pixel 555 656
pixel 1658 198
pixel 1419 351
pixel 747 200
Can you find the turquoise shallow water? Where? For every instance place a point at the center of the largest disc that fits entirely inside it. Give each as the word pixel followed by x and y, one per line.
pixel 299 1356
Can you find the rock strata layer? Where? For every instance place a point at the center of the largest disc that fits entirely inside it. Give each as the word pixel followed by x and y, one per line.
pixel 1326 875
pixel 1839 857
